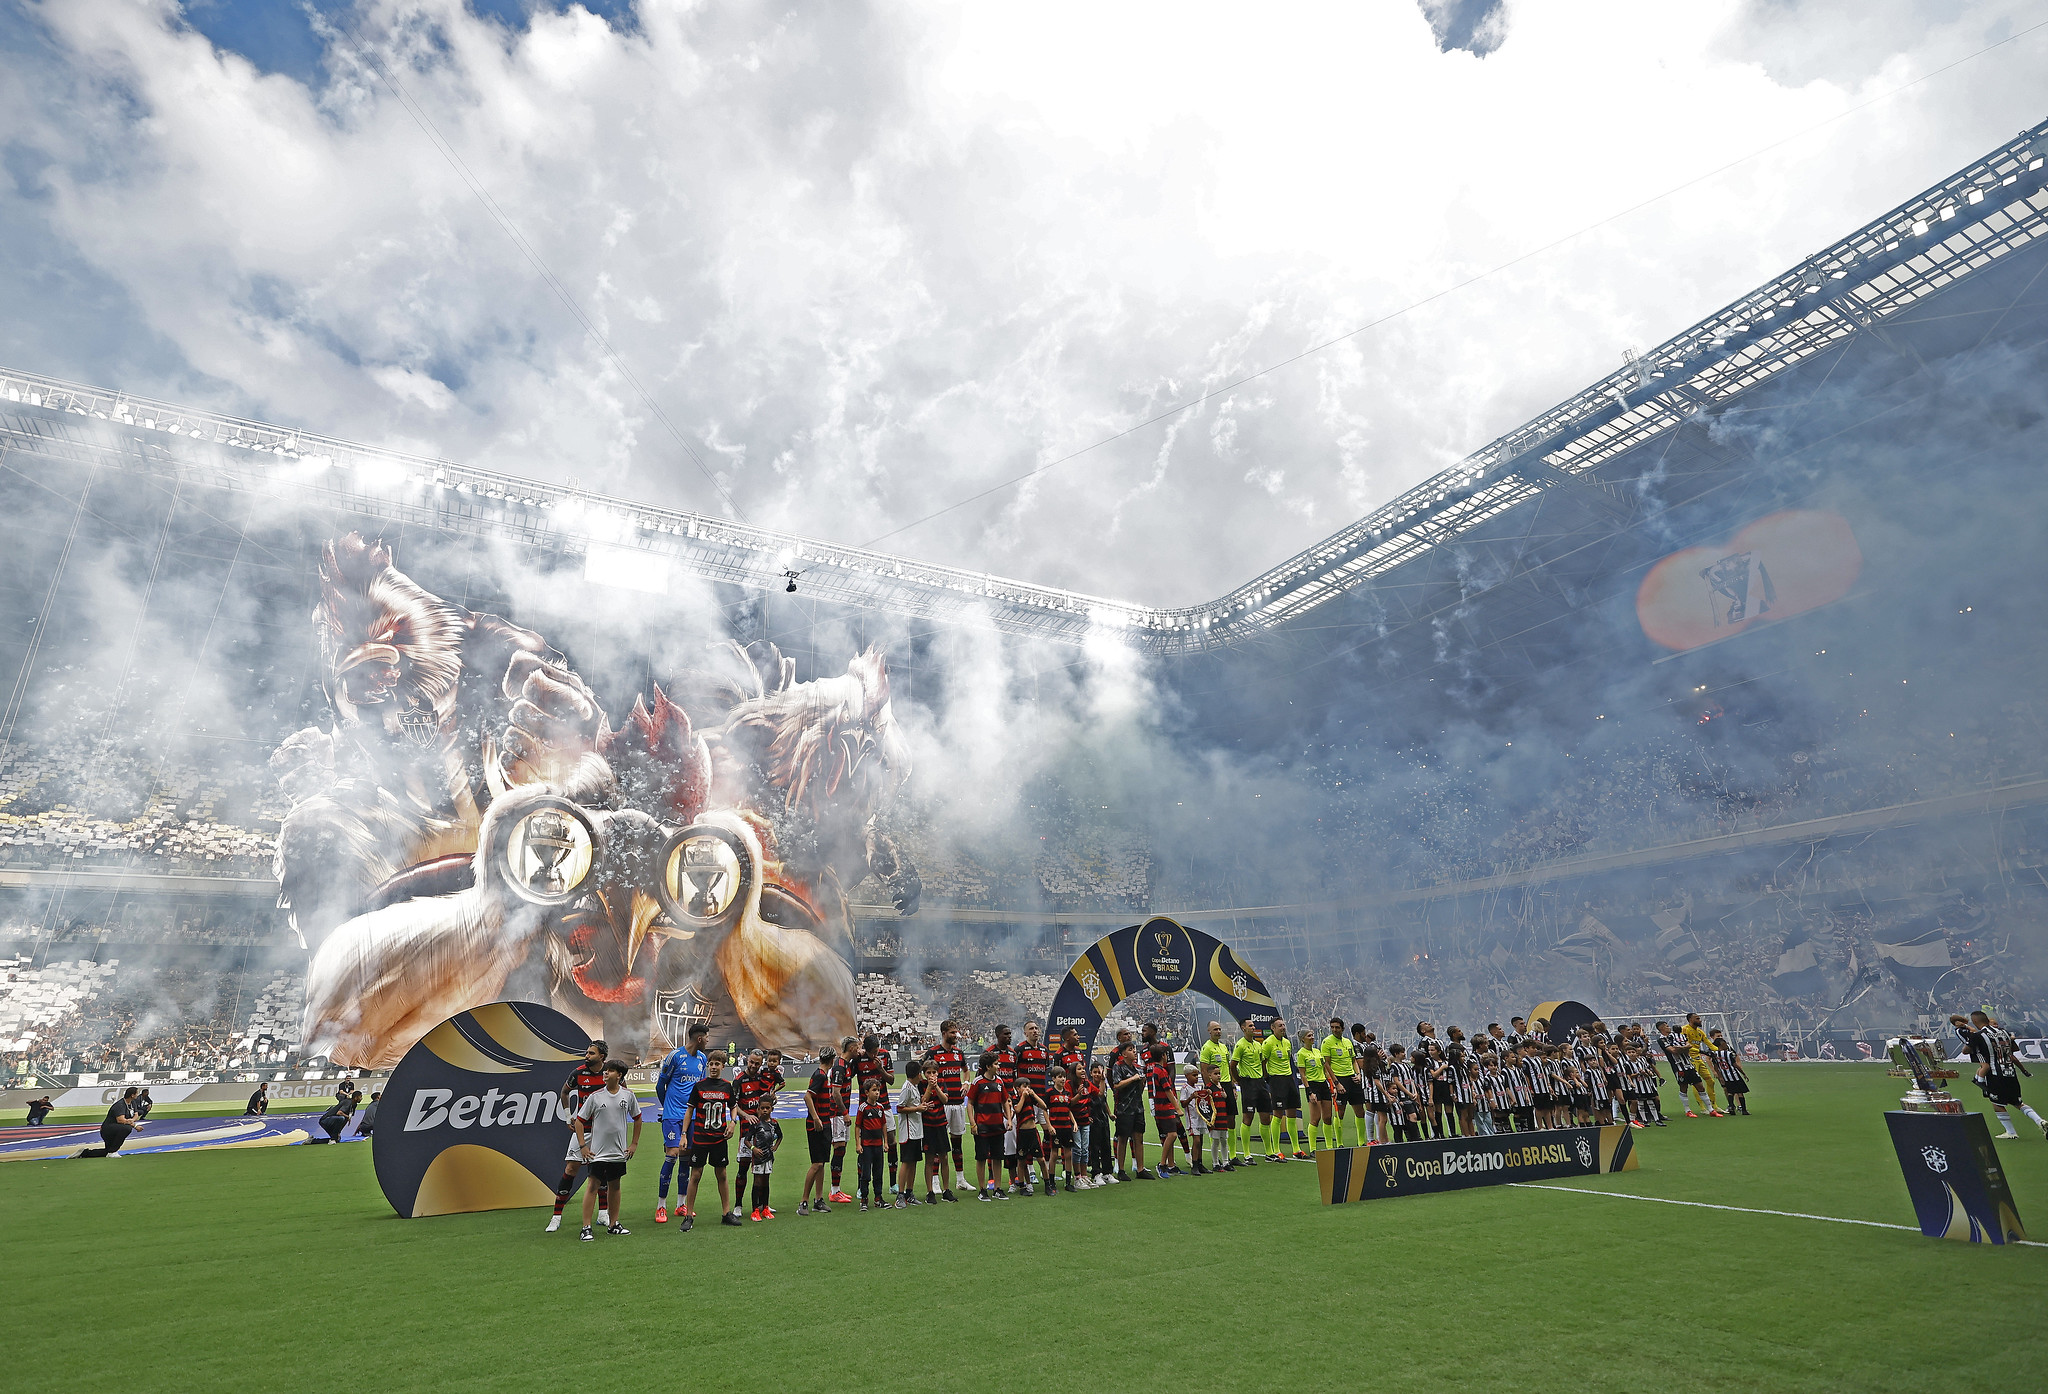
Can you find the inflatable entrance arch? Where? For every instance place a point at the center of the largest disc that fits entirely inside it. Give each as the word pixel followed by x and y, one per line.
pixel 1564 1019
pixel 1169 958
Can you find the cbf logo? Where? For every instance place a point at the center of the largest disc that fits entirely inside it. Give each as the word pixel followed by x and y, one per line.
pixel 1936 1159
pixel 1239 988
pixel 1091 984
pixel 1585 1153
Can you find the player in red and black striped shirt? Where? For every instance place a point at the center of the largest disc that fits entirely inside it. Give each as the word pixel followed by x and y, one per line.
pixel 1059 1117
pixel 844 1096
pixel 1034 1063
pixel 587 1080
pixel 873 1124
pixel 1071 1055
pixel 1166 1120
pixel 875 1066
pixel 821 1105
pixel 990 1104
pixel 1025 1105
pixel 948 1066
pixel 1006 1057
pixel 712 1122
pixel 1033 1060
pixel 936 1182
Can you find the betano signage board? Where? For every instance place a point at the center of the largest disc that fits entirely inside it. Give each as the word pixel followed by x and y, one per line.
pixel 472 1117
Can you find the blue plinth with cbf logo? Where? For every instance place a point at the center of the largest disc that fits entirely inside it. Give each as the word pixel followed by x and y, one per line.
pixel 1959 1191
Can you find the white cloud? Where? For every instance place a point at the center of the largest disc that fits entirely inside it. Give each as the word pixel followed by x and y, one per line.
pixel 409 386
pixel 874 260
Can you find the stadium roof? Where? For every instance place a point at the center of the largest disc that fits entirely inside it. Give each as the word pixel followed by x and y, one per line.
pixel 1950 231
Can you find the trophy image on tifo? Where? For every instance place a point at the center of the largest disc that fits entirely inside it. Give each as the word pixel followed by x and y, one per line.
pixel 1915 1056
pixel 549 841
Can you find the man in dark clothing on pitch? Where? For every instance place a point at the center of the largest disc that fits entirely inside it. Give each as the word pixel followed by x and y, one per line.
pixel 115 1129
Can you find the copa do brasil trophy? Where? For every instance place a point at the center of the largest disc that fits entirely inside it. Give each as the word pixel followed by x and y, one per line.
pixel 1951 1168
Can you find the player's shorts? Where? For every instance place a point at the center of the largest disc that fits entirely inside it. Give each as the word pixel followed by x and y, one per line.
pixel 1253 1096
pixel 838 1131
pixel 1130 1125
pixel 607 1171
pixel 988 1144
pixel 671 1132
pixel 911 1150
pixel 1350 1091
pixel 1063 1138
pixel 1735 1086
pixel 2000 1089
pixel 1318 1090
pixel 1196 1127
pixel 956 1119
pixel 1690 1079
pixel 1166 1127
pixel 717 1156
pixel 1027 1146
pixel 1285 1092
pixel 820 1140
pixel 765 1167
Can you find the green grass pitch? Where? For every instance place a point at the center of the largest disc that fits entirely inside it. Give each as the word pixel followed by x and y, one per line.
pixel 265 1269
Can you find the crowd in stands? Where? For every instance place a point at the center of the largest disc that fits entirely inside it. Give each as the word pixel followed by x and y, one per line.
pixel 142 920
pixel 1421 819
pixel 36 1003
pixel 80 790
pixel 74 1016
pixel 979 1000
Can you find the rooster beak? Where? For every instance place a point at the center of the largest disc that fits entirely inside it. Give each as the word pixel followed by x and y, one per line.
pixel 644 909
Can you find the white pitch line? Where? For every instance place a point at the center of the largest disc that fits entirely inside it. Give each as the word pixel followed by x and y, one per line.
pixel 1742 1209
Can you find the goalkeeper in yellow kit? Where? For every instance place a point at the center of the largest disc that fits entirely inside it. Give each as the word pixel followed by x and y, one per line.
pixel 1698 1043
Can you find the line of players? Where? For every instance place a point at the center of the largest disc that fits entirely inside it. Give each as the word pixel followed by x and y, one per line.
pixel 1039 1112
pixel 1496 1082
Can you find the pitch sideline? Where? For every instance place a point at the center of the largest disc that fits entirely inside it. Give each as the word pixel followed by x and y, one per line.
pixel 1740 1209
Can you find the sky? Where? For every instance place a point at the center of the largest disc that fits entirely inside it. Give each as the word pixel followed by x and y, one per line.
pixel 852 264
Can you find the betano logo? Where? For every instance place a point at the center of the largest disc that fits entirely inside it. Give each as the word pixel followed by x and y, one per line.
pixel 432 1108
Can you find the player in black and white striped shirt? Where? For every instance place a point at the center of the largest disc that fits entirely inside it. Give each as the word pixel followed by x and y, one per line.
pixel 1998 1068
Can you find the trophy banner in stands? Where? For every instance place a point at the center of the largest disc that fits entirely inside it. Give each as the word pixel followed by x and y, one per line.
pixel 472 826
pixel 1385 1170
pixel 472 1118
pixel 1169 958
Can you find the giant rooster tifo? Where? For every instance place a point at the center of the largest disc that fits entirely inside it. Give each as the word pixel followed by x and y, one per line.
pixel 472 828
